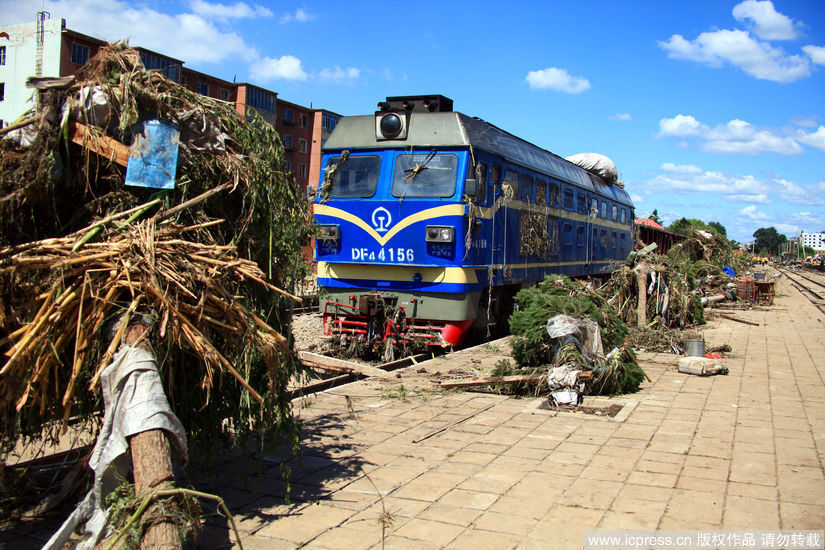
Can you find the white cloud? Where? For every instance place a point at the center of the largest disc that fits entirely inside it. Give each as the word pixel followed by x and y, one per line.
pixel 806 218
pixel 557 79
pixel 816 53
pixel 814 139
pixel 760 198
pixel 681 168
pixel 693 180
pixel 338 74
pixel 239 10
pixel 806 122
pixel 758 59
pixel 286 67
pixel 767 23
pixel 621 117
pixel 300 16
pixel 739 137
pixel 188 36
pixel 735 137
pixel 637 199
pixel 820 186
pixel 752 213
pixel 680 126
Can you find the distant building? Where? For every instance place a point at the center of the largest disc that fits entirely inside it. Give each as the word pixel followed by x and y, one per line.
pixel 814 240
pixel 46 47
pixel 649 223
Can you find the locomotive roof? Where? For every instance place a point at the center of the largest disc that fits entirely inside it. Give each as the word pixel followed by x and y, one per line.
pixel 453 129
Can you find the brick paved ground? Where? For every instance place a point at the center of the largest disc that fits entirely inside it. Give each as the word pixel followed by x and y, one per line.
pixel 743 451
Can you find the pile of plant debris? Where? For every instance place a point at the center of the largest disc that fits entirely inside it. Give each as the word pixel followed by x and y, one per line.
pixel 205 263
pixel 578 346
pixel 675 283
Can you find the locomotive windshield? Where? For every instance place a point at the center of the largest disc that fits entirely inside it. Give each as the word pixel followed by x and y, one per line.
pixel 357 176
pixel 430 175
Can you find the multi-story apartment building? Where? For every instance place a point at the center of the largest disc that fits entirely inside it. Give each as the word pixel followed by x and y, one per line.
pixel 814 240
pixel 46 47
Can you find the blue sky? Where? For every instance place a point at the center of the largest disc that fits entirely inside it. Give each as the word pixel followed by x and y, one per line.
pixel 710 109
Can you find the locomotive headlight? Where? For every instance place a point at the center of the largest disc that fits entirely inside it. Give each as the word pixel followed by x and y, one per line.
pixel 440 234
pixel 392 125
pixel 329 233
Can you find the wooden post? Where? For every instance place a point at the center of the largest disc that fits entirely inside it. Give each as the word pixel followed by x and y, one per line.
pixel 641 281
pixel 152 465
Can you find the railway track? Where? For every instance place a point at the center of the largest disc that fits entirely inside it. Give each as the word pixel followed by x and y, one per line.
pixel 810 287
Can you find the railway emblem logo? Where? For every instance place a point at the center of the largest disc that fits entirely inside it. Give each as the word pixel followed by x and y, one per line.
pixel 381 219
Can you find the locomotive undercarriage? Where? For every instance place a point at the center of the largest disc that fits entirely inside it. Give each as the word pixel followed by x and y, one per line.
pixel 388 326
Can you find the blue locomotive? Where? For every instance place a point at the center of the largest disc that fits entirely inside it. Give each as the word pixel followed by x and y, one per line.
pixel 429 221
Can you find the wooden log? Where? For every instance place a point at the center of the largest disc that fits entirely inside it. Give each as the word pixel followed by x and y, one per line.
pixel 152 465
pixel 641 281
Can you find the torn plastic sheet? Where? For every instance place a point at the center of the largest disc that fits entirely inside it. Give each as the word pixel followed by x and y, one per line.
pixel 586 331
pixel 200 131
pixel 134 402
pixel 598 164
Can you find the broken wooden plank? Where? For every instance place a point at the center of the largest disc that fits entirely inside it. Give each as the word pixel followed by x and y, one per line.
pixel 102 145
pixel 321 361
pixel 403 362
pixel 488 380
pixel 732 318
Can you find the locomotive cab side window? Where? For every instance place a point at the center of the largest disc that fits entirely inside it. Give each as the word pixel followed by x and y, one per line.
pixel 425 175
pixel 356 177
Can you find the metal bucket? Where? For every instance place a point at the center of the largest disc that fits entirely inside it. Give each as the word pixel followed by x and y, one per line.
pixel 695 348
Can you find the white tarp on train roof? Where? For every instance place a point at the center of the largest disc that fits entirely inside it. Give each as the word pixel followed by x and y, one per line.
pixel 597 164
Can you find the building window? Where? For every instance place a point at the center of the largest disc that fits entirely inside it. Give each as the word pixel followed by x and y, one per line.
pixel 223 94
pixel 614 214
pixel 568 199
pixel 304 121
pixel 287 142
pixel 260 99
pixel 2 55
pixel 302 170
pixel 183 80
pixel 80 53
pixel 288 116
pixel 302 145
pixel 203 88
pixel 329 121
pixel 169 68
pixel 2 91
pixel 288 165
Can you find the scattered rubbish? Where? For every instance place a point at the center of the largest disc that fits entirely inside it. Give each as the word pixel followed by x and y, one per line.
pixel 701 366
pixel 565 397
pixel 695 348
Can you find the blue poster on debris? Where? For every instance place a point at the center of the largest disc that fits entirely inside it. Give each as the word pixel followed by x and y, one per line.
pixel 153 156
